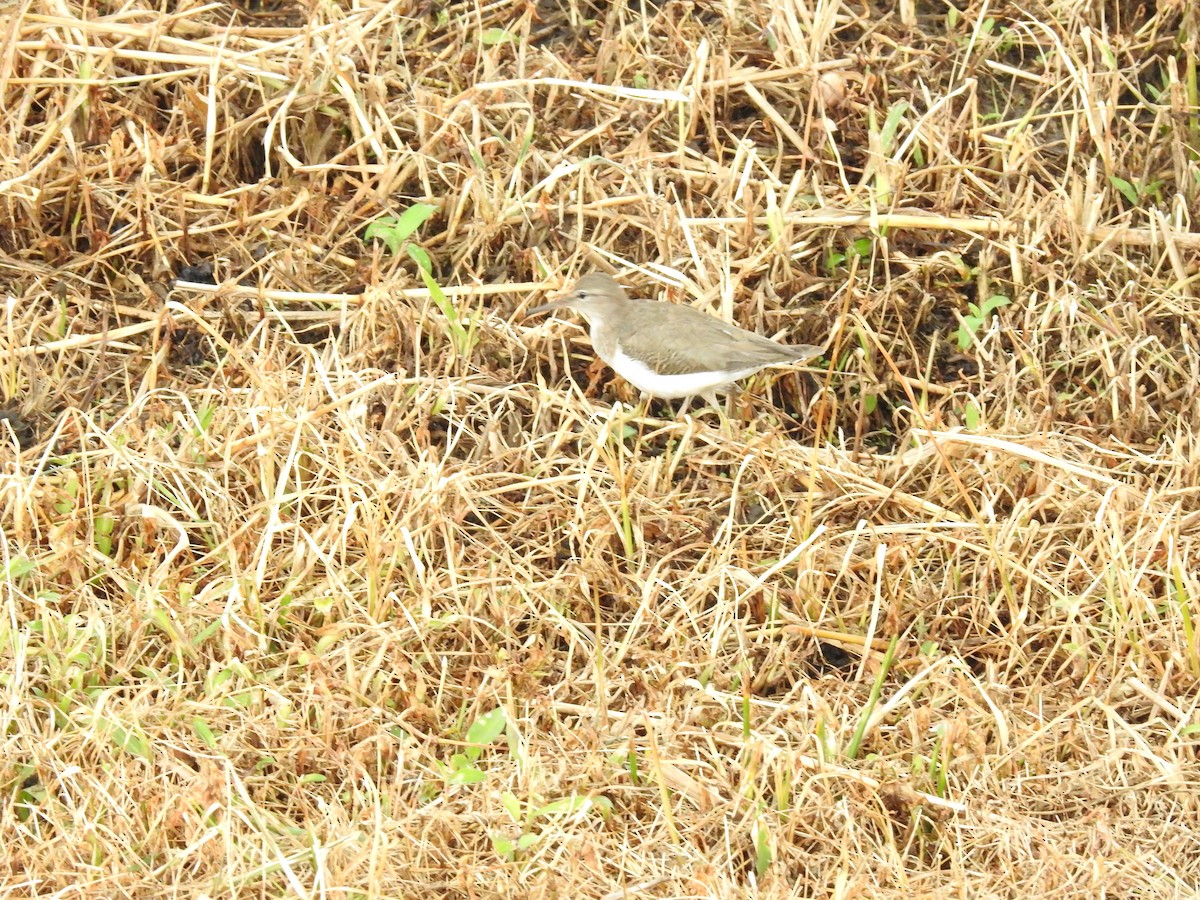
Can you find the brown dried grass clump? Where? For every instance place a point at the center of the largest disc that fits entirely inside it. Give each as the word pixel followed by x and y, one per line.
pixel 320 583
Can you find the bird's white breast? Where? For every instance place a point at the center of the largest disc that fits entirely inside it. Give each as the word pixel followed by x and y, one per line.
pixel 671 387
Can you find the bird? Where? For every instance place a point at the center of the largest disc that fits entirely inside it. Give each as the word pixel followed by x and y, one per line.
pixel 666 350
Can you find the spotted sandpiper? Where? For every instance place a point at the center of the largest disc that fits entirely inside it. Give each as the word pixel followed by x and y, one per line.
pixel 667 350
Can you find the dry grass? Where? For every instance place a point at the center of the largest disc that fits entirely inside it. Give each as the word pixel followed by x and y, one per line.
pixel 317 586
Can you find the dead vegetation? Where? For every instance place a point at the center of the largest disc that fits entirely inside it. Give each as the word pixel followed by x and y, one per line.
pixel 320 583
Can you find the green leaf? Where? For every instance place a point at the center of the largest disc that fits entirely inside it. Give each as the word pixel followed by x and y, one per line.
pixel 561 807
pixel 18 566
pixel 462 339
pixel 972 415
pixel 504 847
pixel 964 334
pixel 511 805
pixel 412 219
pixel 1128 191
pixel 493 36
pixel 467 775
pixel 384 232
pixel 868 709
pixel 204 733
pixel 993 303
pixel 205 415
pixel 891 124
pixel 128 741
pixel 525 841
pixel 103 526
pixel 394 232
pixel 762 850
pixel 426 265
pixel 487 728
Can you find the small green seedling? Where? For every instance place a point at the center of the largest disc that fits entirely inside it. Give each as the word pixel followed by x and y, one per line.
pixel 462 768
pixel 395 233
pixel 860 248
pixel 526 816
pixel 1135 192
pixel 976 317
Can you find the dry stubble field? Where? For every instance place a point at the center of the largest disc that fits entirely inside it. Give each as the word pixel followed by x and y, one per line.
pixel 328 575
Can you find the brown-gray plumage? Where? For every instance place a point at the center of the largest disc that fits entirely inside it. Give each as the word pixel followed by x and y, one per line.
pixel 668 350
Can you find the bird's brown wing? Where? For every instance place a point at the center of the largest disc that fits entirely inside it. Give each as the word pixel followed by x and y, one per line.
pixel 681 340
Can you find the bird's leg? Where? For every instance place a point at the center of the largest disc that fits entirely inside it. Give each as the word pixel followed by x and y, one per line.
pixel 731 400
pixel 641 412
pixel 724 416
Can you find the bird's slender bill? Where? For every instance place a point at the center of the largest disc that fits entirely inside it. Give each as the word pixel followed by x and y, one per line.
pixel 546 307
